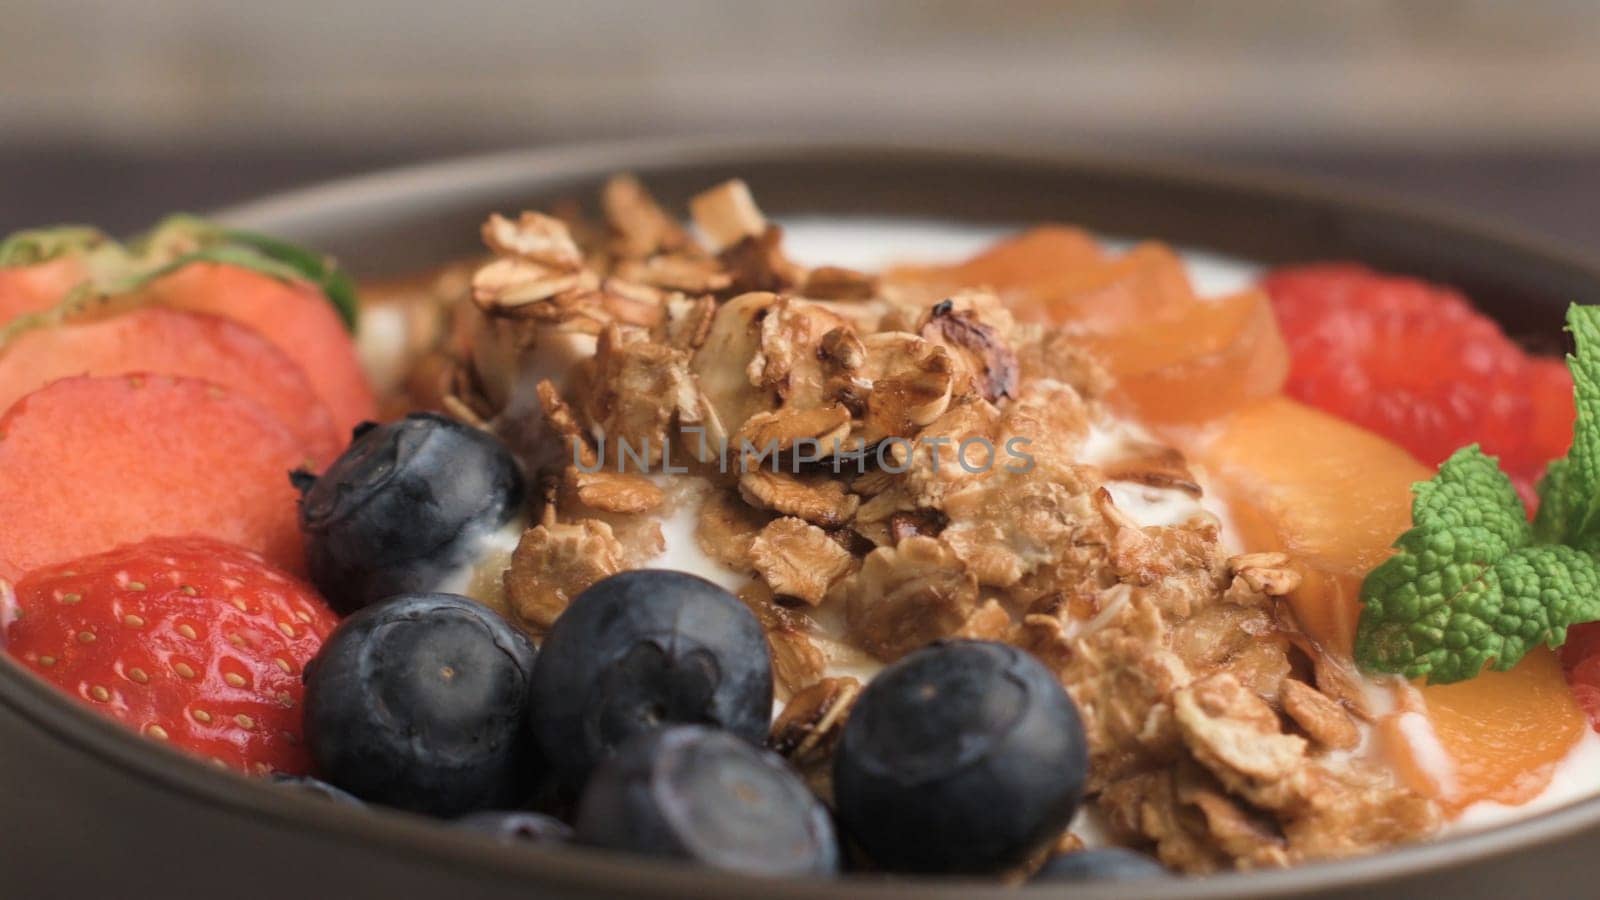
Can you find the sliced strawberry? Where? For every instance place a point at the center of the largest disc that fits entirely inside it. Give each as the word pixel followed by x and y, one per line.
pixel 87 464
pixel 293 315
pixel 36 287
pixel 1415 362
pixel 173 342
pixel 183 639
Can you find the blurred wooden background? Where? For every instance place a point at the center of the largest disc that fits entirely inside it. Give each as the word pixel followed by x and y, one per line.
pixel 113 111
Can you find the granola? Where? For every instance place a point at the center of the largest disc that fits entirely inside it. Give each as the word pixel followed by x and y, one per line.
pixel 878 467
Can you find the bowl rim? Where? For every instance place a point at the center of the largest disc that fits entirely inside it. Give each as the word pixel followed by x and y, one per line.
pixel 400 834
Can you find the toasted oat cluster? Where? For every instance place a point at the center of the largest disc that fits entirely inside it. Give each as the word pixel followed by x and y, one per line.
pixel 886 467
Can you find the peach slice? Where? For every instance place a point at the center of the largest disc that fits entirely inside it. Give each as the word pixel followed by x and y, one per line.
pixel 1038 254
pixel 1199 362
pixel 1331 494
pixel 1335 496
pixel 1496 737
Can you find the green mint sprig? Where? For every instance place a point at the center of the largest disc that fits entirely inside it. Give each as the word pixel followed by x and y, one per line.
pixel 1472 585
pixel 174 243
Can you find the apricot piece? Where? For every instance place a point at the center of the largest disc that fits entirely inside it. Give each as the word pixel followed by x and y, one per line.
pixel 1146 284
pixel 1199 361
pixel 1332 495
pixel 1496 737
pixel 1038 254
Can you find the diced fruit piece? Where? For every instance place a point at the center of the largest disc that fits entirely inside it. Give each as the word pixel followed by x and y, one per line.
pixel 1416 363
pixel 642 649
pixel 1038 254
pixel 693 793
pixel 1332 495
pixel 37 287
pixel 171 342
pixel 293 315
pixel 183 639
pixel 1500 734
pixel 1146 284
pixel 421 703
pixel 87 464
pixel 964 756
pixel 1198 362
pixel 405 508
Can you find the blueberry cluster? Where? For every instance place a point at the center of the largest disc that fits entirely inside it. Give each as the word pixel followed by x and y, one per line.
pixel 639 723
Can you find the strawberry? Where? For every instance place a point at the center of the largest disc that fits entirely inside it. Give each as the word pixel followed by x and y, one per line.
pixel 87 464
pixel 298 301
pixel 172 343
pixel 37 286
pixel 293 315
pixel 1416 363
pixel 188 640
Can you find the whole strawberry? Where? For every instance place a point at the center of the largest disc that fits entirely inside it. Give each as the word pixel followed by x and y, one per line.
pixel 187 640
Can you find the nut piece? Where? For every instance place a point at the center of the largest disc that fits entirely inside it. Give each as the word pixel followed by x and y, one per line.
pixel 797 662
pixel 814 718
pixel 905 597
pixel 798 559
pixel 1266 573
pixel 758 263
pixel 986 358
pixel 687 321
pixel 808 731
pixel 725 361
pixel 554 563
pixel 910 382
pixel 727 214
pixel 1319 715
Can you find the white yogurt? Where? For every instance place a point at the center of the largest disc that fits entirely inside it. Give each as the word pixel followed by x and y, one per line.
pixel 1576 778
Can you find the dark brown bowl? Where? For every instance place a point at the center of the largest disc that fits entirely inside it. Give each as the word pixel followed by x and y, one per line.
pixel 88 809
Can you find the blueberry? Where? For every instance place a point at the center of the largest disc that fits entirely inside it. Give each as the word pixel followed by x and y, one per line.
pixel 404 508
pixel 421 703
pixel 694 793
pixel 517 827
pixel 1106 864
pixel 305 784
pixel 965 756
pixel 643 649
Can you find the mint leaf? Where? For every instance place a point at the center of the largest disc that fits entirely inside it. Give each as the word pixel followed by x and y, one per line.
pixel 1436 608
pixel 1558 503
pixel 37 245
pixel 1472 584
pixel 320 270
pixel 1572 489
pixel 176 241
pixel 1470 492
